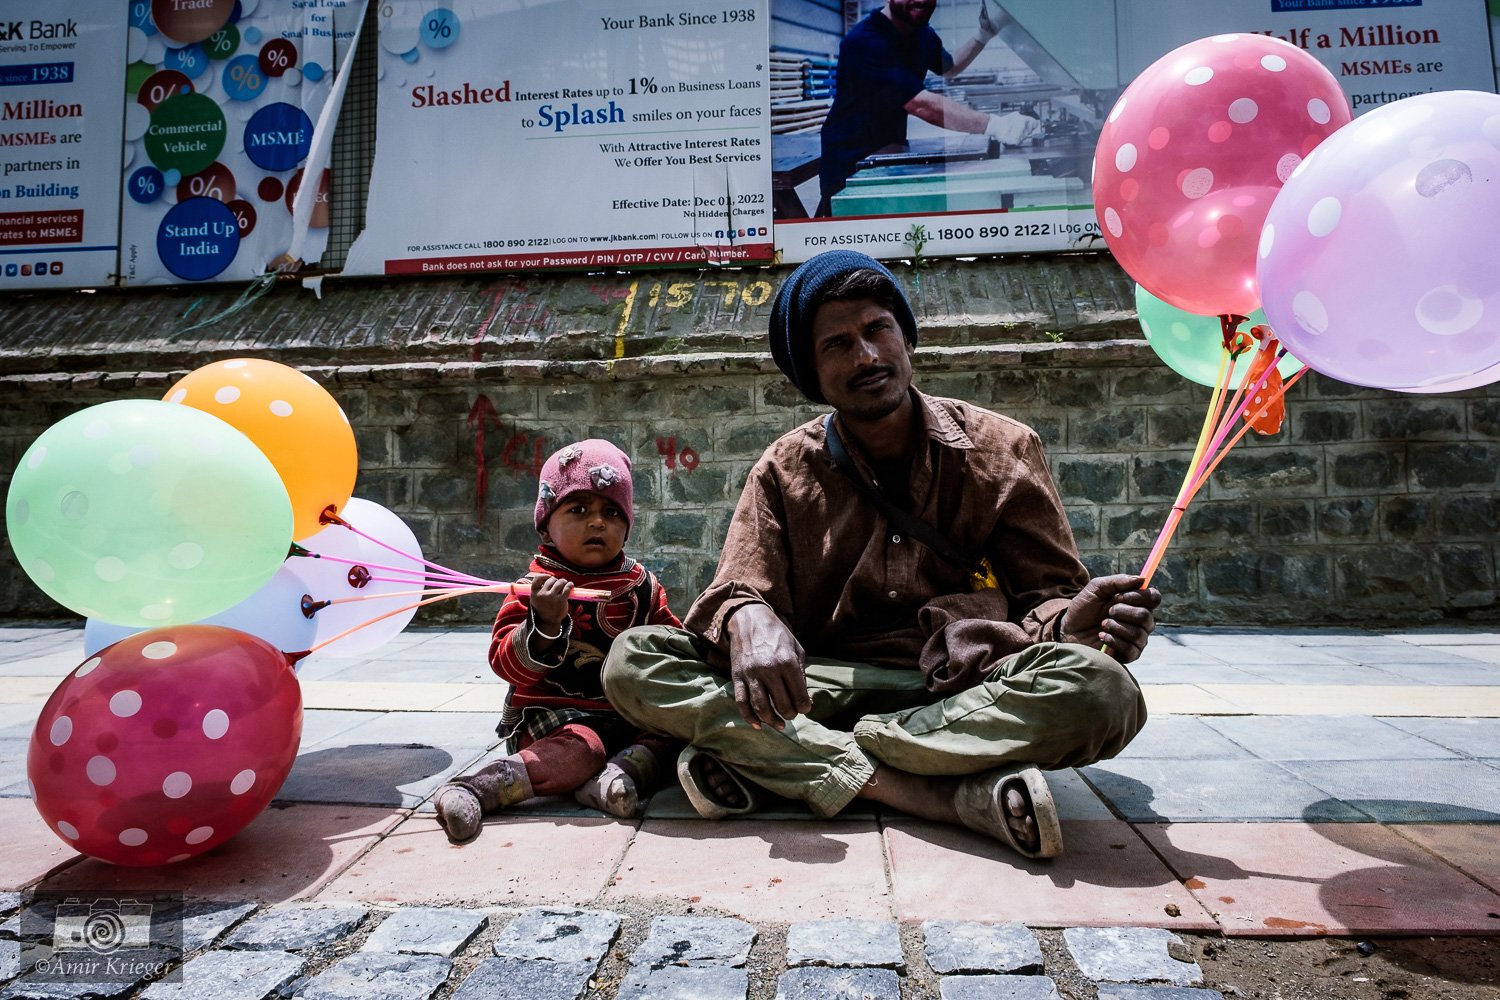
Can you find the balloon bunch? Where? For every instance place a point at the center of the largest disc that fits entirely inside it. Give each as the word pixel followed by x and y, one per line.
pixel 1230 173
pixel 212 542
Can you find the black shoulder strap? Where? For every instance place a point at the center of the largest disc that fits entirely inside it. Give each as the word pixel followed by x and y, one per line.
pixel 902 519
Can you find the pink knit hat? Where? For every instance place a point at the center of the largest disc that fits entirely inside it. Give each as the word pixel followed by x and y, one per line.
pixel 594 465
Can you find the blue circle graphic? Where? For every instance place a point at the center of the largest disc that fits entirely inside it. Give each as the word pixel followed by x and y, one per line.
pixel 198 238
pixel 146 185
pixel 243 77
pixel 313 72
pixel 189 60
pixel 140 16
pixel 439 28
pixel 278 136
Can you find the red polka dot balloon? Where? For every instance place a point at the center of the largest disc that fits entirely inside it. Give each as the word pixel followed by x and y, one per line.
pixel 1192 155
pixel 165 744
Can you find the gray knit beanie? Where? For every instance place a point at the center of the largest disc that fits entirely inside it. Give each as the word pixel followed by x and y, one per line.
pixel 796 302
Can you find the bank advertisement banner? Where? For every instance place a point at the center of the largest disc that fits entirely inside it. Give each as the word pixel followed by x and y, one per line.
pixel 60 69
pixel 220 101
pixel 568 134
pixel 876 149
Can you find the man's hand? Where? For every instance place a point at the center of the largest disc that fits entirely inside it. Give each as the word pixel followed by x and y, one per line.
pixel 549 602
pixel 1115 611
pixel 989 26
pixel 767 667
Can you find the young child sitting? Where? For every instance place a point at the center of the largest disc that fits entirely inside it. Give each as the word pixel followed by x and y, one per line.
pixel 561 731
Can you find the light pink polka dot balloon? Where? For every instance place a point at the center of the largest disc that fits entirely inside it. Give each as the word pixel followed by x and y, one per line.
pixel 165 744
pixel 1378 261
pixel 1192 155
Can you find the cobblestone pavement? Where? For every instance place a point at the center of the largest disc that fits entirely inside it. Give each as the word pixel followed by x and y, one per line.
pixel 1339 784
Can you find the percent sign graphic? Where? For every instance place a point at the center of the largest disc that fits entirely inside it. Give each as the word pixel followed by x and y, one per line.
pixel 277 57
pixel 440 28
pixel 243 79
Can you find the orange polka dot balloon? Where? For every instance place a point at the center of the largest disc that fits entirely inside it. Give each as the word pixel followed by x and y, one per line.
pixel 292 419
pixel 1192 155
pixel 165 744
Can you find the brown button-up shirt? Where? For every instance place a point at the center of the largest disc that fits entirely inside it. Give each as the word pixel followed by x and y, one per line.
pixel 807 541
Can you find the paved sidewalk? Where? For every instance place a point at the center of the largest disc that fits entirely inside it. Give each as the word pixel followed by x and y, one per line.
pixel 1290 783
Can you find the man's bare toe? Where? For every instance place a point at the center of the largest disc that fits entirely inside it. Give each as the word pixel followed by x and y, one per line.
pixel 725 788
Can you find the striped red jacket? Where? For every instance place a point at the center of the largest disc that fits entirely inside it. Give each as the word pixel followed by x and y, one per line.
pixel 636 598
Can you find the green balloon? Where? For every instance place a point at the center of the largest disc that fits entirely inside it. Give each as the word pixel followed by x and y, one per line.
pixel 142 512
pixel 1193 346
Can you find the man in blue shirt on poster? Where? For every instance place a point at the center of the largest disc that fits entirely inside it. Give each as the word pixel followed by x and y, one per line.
pixel 881 79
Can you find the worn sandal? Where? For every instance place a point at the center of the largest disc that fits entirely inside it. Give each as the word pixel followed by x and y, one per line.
pixel 700 793
pixel 981 807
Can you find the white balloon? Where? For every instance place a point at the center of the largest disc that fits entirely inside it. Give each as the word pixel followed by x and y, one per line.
pixel 327 579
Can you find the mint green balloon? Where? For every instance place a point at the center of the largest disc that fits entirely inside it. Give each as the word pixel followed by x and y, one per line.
pixel 1193 346
pixel 142 512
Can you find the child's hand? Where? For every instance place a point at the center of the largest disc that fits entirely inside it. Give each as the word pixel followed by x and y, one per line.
pixel 549 602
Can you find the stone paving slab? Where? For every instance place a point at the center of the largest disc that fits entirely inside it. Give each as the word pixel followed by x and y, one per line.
pixel 1072 796
pixel 678 982
pixel 384 697
pixel 515 860
pixel 525 979
pixel 1332 671
pixel 27 690
pixel 1469 847
pixel 691 940
pixel 845 943
pixel 558 935
pixel 1465 671
pixel 1345 699
pixel 1181 737
pixel 1208 790
pixel 398 776
pixel 1301 880
pixel 205 921
pixel 1418 791
pixel 426 930
pixel 819 983
pixel 472 730
pixel 968 947
pixel 1397 655
pixel 1132 955
pixel 1323 737
pixel 319 725
pixel 998 988
pixel 1474 737
pixel 759 870
pixel 17 721
pixel 414 668
pixel 285 853
pixel 31 848
pixel 1191 671
pixel 1188 699
pixel 1107 876
pixel 298 927
pixel 230 975
pixel 367 976
pixel 1129 991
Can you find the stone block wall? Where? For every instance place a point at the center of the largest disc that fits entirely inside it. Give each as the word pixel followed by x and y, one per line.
pixel 1368 507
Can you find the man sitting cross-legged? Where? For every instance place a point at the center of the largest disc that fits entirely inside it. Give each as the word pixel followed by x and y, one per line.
pixel 836 656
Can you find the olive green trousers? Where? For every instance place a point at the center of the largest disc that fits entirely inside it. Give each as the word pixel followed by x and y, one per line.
pixel 1054 705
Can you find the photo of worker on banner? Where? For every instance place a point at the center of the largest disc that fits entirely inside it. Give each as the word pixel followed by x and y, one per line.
pixel 950 127
pixel 932 106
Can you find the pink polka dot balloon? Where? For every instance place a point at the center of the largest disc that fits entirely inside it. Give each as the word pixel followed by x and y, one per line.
pixel 1192 155
pixel 1378 260
pixel 165 744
